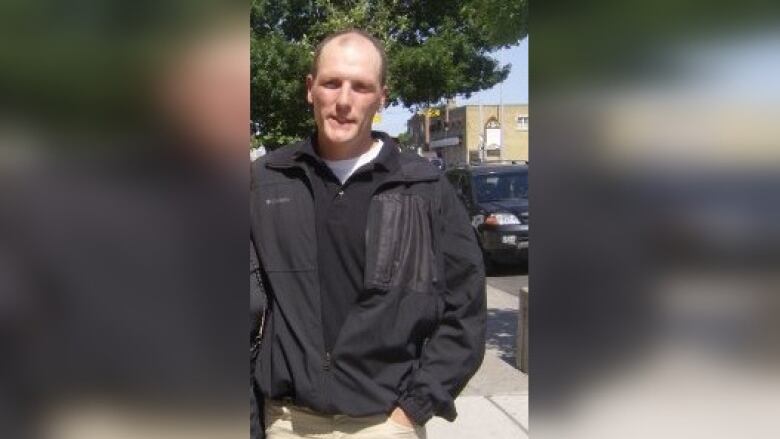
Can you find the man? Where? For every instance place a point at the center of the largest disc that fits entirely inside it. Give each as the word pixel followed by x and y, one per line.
pixel 377 286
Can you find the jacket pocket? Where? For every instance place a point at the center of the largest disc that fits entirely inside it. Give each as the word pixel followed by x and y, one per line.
pixel 399 243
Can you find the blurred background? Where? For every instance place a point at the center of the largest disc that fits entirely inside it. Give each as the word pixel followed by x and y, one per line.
pixel 656 219
pixel 123 222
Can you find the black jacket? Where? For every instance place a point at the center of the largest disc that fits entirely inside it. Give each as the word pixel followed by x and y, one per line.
pixel 417 332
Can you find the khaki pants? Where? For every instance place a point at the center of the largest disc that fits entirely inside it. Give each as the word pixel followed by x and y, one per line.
pixel 285 421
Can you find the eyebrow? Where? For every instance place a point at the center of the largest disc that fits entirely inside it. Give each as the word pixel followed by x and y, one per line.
pixel 360 81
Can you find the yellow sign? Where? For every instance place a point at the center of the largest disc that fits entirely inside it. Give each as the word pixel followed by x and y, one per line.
pixel 377 118
pixel 430 112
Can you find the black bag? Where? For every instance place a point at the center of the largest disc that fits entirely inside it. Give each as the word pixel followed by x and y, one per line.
pixel 258 309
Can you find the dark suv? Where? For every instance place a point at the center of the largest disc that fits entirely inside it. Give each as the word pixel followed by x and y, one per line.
pixel 496 197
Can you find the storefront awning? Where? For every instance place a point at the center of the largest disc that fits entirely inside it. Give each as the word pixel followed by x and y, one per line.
pixel 447 141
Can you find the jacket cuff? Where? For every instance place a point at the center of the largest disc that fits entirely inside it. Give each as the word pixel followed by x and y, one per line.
pixel 418 408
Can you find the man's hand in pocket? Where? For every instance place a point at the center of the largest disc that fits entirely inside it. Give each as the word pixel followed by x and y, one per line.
pixel 399 416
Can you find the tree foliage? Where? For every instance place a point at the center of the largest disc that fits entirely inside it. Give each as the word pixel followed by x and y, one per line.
pixel 436 49
pixel 405 140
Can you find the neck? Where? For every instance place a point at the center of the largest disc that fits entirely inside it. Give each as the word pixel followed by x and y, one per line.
pixel 343 151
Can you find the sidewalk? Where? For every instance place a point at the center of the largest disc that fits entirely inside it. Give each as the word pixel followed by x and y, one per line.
pixel 494 404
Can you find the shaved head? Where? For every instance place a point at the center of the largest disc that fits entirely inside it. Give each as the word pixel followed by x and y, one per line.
pixel 351 36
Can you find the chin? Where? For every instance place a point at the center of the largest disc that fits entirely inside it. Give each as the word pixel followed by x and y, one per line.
pixel 340 137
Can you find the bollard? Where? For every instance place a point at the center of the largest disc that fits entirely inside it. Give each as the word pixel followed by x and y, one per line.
pixel 522 331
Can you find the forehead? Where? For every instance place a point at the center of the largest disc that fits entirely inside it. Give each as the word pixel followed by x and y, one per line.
pixel 350 56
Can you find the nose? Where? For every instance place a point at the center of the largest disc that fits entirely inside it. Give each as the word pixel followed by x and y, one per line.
pixel 343 99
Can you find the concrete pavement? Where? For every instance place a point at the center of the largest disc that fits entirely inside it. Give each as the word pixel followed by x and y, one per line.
pixel 495 402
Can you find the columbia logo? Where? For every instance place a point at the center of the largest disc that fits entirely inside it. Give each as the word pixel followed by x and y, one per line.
pixel 277 200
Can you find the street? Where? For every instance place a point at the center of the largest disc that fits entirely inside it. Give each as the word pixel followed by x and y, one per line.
pixel 504 283
pixel 495 402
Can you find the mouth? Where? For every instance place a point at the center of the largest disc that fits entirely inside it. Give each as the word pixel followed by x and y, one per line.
pixel 341 121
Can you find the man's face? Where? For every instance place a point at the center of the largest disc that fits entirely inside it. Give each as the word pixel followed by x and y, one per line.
pixel 346 92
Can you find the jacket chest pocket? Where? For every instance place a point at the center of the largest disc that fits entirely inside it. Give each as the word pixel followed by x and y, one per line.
pixel 400 244
pixel 285 233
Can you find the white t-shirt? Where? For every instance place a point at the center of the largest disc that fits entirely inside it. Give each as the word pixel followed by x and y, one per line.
pixel 343 169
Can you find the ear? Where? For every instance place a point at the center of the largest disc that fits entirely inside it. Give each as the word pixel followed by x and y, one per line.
pixel 383 99
pixel 309 85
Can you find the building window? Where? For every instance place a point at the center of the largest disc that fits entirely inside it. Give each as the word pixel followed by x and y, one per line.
pixel 522 122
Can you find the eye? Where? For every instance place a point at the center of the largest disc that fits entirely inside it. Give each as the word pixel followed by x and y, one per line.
pixel 333 83
pixel 362 87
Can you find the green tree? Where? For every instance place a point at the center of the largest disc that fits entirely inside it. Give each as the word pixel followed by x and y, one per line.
pixel 405 141
pixel 436 49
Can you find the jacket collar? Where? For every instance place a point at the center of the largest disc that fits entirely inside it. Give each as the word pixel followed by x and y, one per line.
pixel 387 158
pixel 402 167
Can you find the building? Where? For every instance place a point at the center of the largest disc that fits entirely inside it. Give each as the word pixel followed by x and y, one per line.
pixel 472 133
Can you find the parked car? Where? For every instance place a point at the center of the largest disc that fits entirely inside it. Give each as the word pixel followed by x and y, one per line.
pixel 496 198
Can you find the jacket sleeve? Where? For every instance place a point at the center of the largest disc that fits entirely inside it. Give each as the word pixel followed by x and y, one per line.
pixel 455 350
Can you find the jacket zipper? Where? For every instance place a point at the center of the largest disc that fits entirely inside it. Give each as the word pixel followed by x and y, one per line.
pixel 326 362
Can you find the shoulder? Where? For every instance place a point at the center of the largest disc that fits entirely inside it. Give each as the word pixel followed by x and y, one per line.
pixel 263 170
pixel 284 153
pixel 410 157
pixel 414 165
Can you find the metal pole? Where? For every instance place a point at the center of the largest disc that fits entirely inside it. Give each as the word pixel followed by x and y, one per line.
pixel 481 133
pixel 427 130
pixel 501 108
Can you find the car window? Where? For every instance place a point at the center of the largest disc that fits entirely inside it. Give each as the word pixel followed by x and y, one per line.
pixel 498 187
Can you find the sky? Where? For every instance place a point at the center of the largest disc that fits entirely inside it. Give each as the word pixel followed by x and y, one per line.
pixel 514 90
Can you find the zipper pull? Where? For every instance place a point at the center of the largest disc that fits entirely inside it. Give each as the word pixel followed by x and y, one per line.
pixel 326 363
